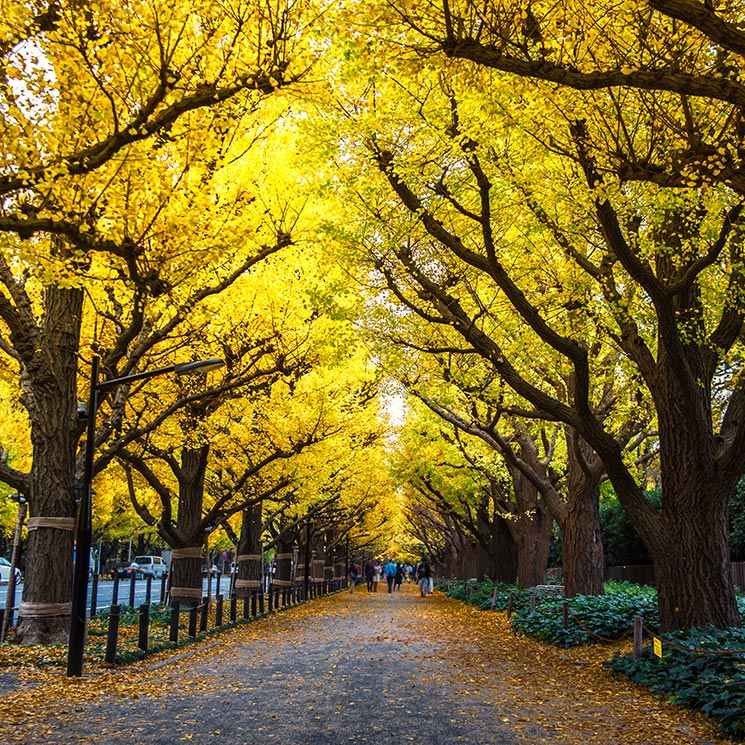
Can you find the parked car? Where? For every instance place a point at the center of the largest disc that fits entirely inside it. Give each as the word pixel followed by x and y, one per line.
pixel 149 566
pixel 123 572
pixel 5 572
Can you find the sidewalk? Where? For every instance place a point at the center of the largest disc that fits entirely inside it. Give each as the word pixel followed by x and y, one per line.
pixel 363 668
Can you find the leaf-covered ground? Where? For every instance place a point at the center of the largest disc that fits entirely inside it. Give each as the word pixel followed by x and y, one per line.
pixel 362 668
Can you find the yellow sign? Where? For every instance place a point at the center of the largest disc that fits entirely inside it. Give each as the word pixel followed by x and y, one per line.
pixel 657 646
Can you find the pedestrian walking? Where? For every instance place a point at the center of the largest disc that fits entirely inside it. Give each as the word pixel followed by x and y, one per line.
pixel 369 574
pixel 423 574
pixel 354 575
pixel 377 576
pixel 390 574
pixel 399 578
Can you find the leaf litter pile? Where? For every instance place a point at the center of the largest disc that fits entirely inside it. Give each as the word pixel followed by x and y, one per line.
pixel 362 668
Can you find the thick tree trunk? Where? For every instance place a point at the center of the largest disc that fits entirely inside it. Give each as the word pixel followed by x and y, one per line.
pixel 495 555
pixel 470 558
pixel 318 549
pixel 186 575
pixel 531 531
pixel 330 558
pixel 581 544
pixel 303 551
pixel 582 547
pixel 340 559
pixel 504 555
pixel 249 553
pixel 691 559
pixel 453 557
pixel 688 539
pixel 50 398
pixel 186 564
pixel 283 574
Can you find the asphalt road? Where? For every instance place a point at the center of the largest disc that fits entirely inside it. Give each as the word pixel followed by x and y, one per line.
pixel 105 592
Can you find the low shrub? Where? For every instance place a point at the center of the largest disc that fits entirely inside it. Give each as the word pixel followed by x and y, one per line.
pixel 479 594
pixel 591 618
pixel 713 683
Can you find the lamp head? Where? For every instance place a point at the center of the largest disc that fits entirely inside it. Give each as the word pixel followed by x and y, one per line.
pixel 199 366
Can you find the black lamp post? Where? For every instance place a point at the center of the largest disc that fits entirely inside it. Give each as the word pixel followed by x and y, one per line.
pixel 76 641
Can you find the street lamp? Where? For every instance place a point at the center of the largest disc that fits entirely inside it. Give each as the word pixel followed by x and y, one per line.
pixel 76 641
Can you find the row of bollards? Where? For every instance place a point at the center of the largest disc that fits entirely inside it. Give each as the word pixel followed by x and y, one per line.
pixel 198 615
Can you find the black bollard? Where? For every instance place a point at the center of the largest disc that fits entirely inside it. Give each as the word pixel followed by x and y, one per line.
pixel 94 595
pixel 132 590
pixel 173 626
pixel 233 609
pixel 218 611
pixel 112 636
pixel 148 589
pixel 115 591
pixel 205 614
pixel 638 637
pixel 193 621
pixel 144 627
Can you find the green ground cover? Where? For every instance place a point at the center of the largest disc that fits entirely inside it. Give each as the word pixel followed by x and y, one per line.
pixel 699 668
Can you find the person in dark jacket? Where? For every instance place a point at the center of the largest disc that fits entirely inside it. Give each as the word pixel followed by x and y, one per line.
pixel 423 573
pixel 399 578
pixel 369 574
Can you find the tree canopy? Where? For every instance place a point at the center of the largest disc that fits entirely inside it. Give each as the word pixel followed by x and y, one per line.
pixel 527 216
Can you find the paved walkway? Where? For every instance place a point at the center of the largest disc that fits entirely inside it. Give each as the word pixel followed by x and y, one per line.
pixel 362 668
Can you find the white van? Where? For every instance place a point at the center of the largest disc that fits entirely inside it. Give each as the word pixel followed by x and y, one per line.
pixel 149 566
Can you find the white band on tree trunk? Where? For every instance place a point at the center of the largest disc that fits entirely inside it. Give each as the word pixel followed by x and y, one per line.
pixel 59 523
pixel 43 610
pixel 249 557
pixel 281 582
pixel 284 556
pixel 186 592
pixel 193 552
pixel 244 584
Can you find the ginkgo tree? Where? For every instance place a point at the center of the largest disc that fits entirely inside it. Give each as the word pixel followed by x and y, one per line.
pixel 468 492
pixel 339 498
pixel 115 126
pixel 294 380
pixel 635 187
